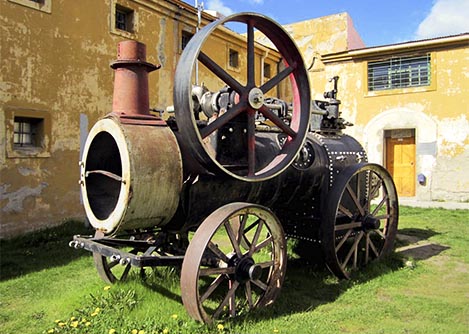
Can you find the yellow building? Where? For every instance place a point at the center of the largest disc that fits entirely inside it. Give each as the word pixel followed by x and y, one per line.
pixel 409 101
pixel 410 106
pixel 55 83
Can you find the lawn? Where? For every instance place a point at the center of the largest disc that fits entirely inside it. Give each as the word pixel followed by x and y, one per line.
pixel 47 287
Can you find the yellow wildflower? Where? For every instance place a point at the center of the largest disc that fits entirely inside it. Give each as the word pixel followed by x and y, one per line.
pixel 112 331
pixel 276 330
pixel 61 324
pixel 74 324
pixel 94 314
pixel 141 331
pixel 88 324
pixel 107 287
pixel 165 331
pixel 72 318
pixel 97 310
pixel 50 331
pixel 134 331
pixel 57 321
pixel 220 327
pixel 174 316
pixel 84 320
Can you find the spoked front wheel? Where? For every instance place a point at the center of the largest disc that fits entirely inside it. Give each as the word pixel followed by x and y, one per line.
pixel 235 262
pixel 361 218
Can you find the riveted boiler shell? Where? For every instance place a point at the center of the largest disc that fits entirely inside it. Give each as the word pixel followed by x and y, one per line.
pixel 131 175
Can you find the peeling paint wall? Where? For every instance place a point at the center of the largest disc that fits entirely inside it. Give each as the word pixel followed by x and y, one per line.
pixel 323 35
pixel 439 113
pixel 55 64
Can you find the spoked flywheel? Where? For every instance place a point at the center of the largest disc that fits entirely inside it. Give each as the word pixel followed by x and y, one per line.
pixel 219 145
pixel 360 222
pixel 235 262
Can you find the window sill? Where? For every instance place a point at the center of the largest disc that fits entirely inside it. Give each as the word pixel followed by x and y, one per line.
pixel 398 91
pixel 45 6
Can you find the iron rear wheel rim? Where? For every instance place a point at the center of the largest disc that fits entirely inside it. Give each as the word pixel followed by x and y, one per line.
pixel 361 221
pixel 238 279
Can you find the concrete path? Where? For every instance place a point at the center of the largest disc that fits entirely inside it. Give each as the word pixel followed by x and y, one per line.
pixel 433 204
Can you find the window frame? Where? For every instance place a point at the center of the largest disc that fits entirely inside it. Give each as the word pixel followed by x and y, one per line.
pixel 40 5
pixel 126 8
pixel 391 73
pixel 233 65
pixel 39 146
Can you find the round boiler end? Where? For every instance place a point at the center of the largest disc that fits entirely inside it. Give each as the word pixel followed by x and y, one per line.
pixel 131 176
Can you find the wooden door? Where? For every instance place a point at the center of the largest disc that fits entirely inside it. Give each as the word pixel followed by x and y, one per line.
pixel 400 162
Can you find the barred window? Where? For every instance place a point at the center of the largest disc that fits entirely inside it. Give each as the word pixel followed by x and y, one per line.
pixel 399 72
pixel 124 18
pixel 27 132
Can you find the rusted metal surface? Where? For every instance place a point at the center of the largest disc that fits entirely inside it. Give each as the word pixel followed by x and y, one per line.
pixel 249 101
pixel 361 221
pixel 240 250
pixel 131 69
pixel 253 167
pixel 127 180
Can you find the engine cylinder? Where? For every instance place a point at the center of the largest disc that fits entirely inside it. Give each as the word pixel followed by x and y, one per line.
pixel 131 175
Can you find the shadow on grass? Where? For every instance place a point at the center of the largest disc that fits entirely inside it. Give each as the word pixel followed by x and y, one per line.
pixel 39 250
pixel 413 243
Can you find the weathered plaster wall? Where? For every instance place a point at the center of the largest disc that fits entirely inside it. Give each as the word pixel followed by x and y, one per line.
pixel 57 64
pixel 439 113
pixel 323 35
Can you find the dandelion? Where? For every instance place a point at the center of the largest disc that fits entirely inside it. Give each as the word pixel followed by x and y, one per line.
pixel 88 324
pixel 57 321
pixel 97 310
pixel 141 331
pixel 112 331
pixel 134 331
pixel 94 314
pixel 51 331
pixel 174 316
pixel 107 287
pixel 276 330
pixel 72 318
pixel 220 327
pixel 61 324
pixel 165 331
pixel 84 320
pixel 74 324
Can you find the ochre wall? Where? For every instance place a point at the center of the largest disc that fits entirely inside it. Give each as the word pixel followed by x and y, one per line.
pixel 56 64
pixel 439 113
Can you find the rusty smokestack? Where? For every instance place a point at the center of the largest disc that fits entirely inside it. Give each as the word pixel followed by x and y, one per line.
pixel 131 95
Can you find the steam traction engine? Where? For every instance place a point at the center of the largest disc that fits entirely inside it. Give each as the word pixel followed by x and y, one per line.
pixel 218 188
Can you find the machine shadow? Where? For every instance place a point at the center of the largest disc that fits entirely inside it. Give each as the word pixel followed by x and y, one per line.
pixel 40 250
pixel 413 243
pixel 307 286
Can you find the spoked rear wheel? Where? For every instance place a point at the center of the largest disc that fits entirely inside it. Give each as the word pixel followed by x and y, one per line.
pixel 235 262
pixel 361 219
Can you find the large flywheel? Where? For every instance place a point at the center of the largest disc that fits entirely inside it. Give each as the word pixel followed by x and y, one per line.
pixel 248 100
pixel 235 262
pixel 360 220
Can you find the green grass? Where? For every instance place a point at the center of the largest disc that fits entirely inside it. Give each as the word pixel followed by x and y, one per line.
pixel 423 290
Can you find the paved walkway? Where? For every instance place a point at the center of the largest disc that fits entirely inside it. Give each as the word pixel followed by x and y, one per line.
pixel 434 204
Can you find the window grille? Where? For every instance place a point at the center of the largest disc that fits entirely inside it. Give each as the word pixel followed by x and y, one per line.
pixel 399 72
pixel 124 18
pixel 25 131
